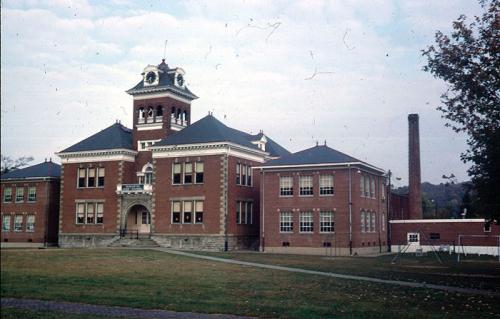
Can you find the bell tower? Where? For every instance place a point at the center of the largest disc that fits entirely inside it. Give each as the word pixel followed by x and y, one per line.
pixel 161 106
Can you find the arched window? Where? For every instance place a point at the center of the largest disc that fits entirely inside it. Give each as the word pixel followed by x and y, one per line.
pixel 150 112
pixel 147 170
pixel 185 117
pixel 179 114
pixel 141 115
pixel 159 110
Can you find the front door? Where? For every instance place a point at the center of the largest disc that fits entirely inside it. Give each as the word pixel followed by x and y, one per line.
pixel 144 222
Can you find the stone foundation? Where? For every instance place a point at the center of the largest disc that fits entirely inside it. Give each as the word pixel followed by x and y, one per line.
pixel 326 251
pixel 204 242
pixel 86 240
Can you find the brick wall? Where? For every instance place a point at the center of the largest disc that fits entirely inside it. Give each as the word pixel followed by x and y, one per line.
pixel 338 203
pixel 45 209
pixel 70 193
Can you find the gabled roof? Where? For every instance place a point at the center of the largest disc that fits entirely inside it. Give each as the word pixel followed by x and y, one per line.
pixel 211 130
pixel 319 154
pixel 45 169
pixel 165 83
pixel 273 148
pixel 116 136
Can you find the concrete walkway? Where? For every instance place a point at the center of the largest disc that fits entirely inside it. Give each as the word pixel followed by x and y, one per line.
pixel 105 311
pixel 336 275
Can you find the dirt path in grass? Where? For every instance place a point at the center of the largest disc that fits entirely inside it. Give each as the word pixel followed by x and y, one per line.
pixel 336 275
pixel 105 311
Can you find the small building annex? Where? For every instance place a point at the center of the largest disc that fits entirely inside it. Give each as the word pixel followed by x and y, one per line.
pixel 322 201
pixel 30 205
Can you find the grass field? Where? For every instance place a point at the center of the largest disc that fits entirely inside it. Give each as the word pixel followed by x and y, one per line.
pixel 152 279
pixel 474 272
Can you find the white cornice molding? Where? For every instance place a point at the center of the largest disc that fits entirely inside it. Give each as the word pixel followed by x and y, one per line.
pixel 158 92
pixel 206 149
pixel 149 126
pixel 325 165
pixel 121 154
pixel 428 221
pixel 29 179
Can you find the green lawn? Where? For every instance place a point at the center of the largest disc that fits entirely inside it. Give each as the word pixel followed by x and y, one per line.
pixel 152 279
pixel 474 272
pixel 12 313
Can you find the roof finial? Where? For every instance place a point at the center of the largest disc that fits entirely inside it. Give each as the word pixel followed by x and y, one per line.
pixel 164 51
pixel 50 160
pixel 325 142
pixel 45 160
pixel 317 143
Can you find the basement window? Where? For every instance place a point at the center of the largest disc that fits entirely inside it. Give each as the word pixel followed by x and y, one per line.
pixel 435 236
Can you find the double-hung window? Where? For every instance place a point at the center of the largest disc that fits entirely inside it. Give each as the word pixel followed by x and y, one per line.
pixel 306 185
pixel 326 224
pixel 368 221
pixel 100 213
pixel 286 186
pixel 367 186
pixel 199 169
pixel 306 222
pixel 177 173
pixel 30 223
pixel 249 175
pixel 326 184
pixel 372 187
pixel 243 174
pixel 188 173
pixel 32 194
pixel 188 212
pixel 6 223
pixel 362 221
pixel 238 174
pixel 286 222
pixel 199 212
pixel 82 176
pixel 80 213
pixel 244 212
pixel 362 185
pixel 19 194
pixel 100 177
pixel 18 223
pixel 7 195
pixel 374 223
pixel 91 177
pixel 90 213
pixel 176 212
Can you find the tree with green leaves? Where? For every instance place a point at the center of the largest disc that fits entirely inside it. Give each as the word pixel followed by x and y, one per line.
pixel 468 60
pixel 8 164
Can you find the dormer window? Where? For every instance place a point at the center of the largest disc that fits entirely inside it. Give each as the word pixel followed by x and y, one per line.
pixel 151 75
pixel 179 78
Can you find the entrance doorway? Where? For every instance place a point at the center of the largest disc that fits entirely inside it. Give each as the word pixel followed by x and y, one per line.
pixel 138 221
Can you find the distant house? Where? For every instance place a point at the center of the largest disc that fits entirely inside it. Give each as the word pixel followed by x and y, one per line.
pixel 30 205
pixel 322 201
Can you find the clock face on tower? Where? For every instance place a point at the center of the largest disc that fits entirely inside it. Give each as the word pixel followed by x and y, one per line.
pixel 150 77
pixel 180 80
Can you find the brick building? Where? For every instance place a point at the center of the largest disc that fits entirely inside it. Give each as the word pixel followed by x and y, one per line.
pixel 30 205
pixel 185 185
pixel 321 201
pixel 472 236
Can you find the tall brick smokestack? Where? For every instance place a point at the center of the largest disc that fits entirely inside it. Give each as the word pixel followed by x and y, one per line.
pixel 415 193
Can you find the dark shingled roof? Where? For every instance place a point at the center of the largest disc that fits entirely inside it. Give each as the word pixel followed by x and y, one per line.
pixel 46 169
pixel 319 154
pixel 165 83
pixel 114 137
pixel 211 130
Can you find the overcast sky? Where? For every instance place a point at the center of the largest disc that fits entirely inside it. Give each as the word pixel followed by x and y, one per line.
pixel 348 72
